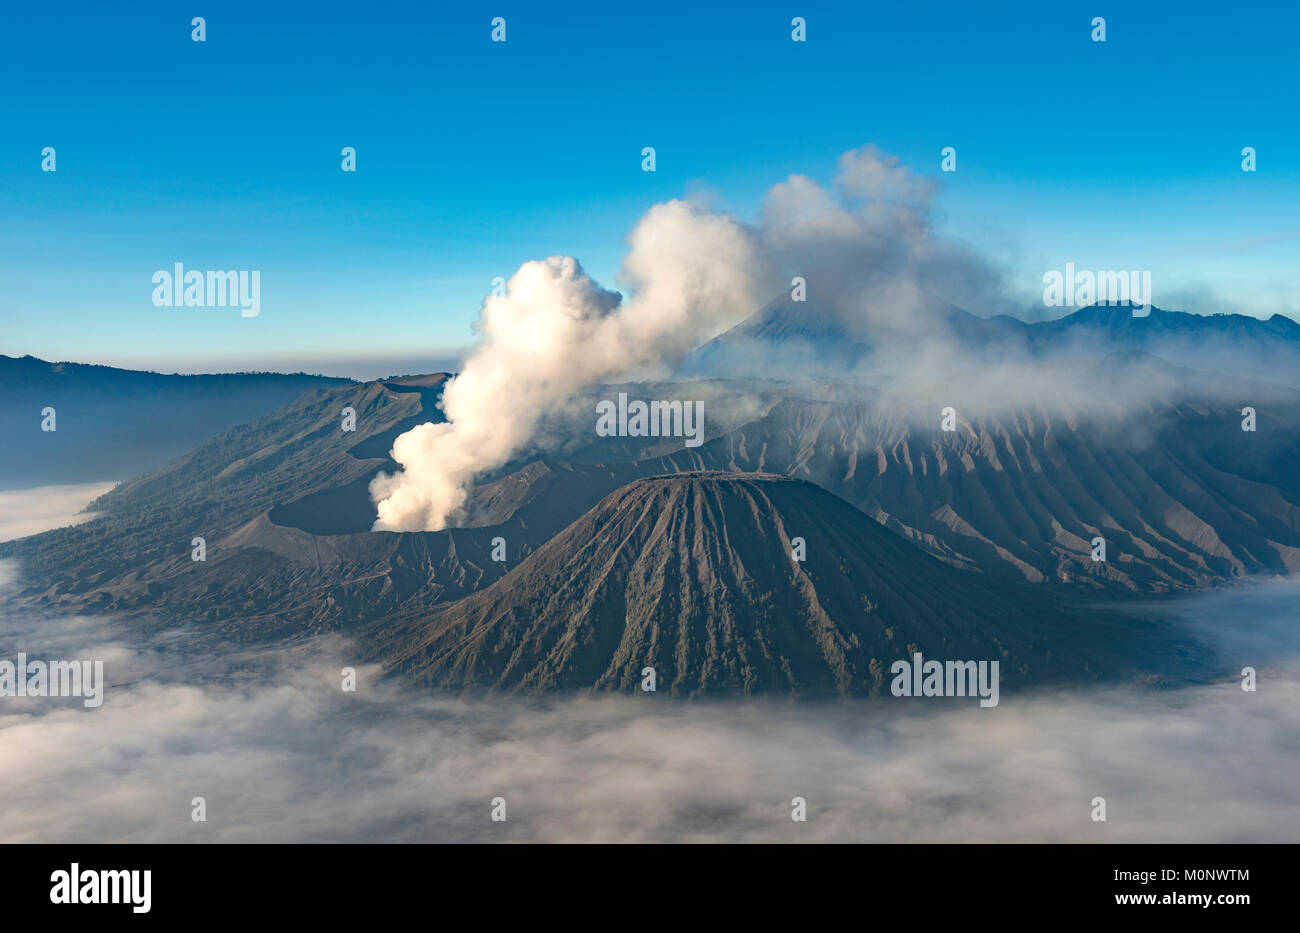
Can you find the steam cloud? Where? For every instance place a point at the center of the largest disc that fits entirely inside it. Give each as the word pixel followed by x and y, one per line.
pixel 555 331
pixel 875 273
pixel 866 247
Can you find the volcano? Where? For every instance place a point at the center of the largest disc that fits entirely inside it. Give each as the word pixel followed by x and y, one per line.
pixel 695 575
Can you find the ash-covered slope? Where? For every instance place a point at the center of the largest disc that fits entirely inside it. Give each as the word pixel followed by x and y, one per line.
pixel 1183 497
pixel 693 575
pixel 259 575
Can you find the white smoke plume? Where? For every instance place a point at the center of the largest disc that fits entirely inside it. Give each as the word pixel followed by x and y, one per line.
pixel 556 331
pixel 865 249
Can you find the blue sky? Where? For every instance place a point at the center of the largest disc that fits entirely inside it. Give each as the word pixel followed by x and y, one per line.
pixel 475 156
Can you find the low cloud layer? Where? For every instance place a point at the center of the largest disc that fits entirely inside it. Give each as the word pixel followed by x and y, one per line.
pixel 30 511
pixel 281 754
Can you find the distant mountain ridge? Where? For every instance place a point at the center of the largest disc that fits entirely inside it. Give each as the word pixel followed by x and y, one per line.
pixel 1120 321
pixel 111 423
pixel 804 338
